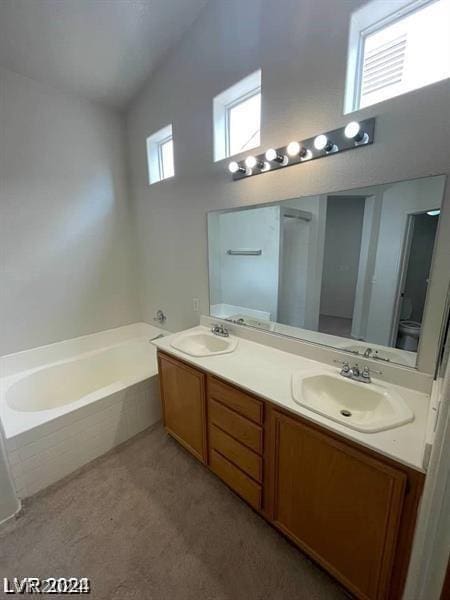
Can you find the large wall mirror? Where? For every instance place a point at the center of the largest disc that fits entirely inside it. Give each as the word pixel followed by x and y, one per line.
pixel 348 269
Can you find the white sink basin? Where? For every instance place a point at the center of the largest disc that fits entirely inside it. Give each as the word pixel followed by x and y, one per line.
pixel 200 343
pixel 366 407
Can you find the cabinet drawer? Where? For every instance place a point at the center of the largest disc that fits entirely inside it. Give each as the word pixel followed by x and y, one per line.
pixel 236 479
pixel 240 455
pixel 238 427
pixel 242 403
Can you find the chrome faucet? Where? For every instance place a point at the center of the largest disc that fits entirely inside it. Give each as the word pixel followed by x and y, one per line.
pixel 355 372
pixel 219 330
pixel 367 352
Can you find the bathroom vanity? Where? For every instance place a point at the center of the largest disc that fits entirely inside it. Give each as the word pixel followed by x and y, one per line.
pixel 348 499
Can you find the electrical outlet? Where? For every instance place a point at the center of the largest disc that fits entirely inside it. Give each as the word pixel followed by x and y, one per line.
pixel 196 304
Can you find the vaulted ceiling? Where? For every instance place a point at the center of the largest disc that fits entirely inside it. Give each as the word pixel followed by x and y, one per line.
pixel 103 50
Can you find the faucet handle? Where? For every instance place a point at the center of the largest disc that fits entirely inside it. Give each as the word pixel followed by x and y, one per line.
pixel 345 366
pixel 365 373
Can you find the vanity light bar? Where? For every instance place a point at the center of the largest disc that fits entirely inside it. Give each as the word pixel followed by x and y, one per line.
pixel 354 135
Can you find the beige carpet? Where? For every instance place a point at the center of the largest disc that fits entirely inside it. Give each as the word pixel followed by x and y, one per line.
pixel 147 521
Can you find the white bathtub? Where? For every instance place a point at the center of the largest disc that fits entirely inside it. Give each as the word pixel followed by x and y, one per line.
pixel 64 404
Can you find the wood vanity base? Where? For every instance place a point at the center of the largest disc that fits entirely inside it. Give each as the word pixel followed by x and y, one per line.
pixel 350 509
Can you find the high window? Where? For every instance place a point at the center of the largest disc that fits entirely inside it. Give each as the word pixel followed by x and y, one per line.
pixel 237 117
pixel 160 155
pixel 394 52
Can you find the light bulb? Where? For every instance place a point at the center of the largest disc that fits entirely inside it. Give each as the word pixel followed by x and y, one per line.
pixel 354 132
pixel 250 162
pixel 233 167
pixel 271 154
pixel 433 213
pixel 352 129
pixel 320 142
pixel 293 149
pixel 323 143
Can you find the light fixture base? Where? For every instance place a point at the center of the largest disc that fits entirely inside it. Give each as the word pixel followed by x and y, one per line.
pixel 340 143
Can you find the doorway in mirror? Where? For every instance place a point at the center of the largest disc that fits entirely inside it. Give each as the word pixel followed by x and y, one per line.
pixel 414 276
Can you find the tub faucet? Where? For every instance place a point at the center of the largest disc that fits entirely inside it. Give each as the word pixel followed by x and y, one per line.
pixel 160 316
pixel 367 352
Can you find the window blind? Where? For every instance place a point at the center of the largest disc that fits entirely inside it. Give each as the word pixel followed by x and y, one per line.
pixel 383 65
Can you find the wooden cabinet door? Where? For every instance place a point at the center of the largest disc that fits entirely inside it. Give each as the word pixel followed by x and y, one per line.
pixel 340 505
pixel 183 401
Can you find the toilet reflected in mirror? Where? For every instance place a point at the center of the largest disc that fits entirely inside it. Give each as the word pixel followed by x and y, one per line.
pixel 408 335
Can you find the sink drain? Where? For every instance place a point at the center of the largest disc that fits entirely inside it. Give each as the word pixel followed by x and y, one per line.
pixel 346 413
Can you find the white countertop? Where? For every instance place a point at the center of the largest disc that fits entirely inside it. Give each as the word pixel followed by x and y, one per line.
pixel 267 372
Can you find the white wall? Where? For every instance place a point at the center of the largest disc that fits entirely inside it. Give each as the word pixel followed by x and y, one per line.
pixel 293 286
pixel 301 48
pixel 344 222
pixel 65 243
pixel 430 554
pixel 247 281
pixel 366 267
pixel 317 207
